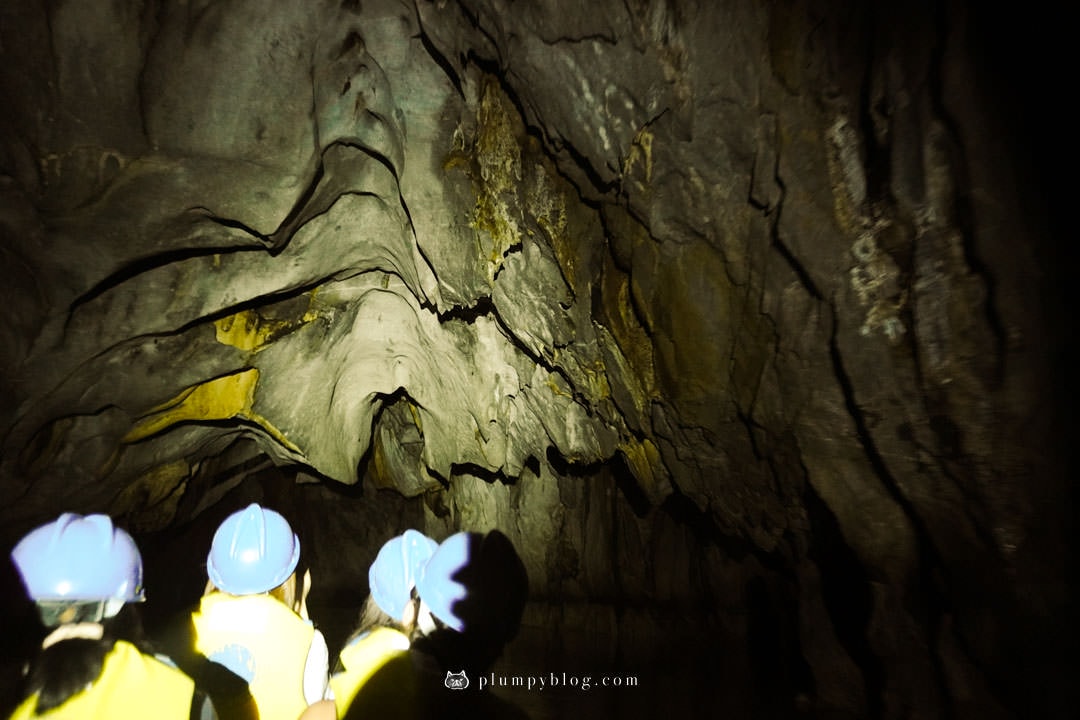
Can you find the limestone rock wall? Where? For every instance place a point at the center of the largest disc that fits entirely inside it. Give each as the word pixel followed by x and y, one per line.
pixel 731 309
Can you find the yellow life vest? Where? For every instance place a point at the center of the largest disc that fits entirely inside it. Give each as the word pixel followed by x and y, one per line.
pixel 389 694
pixel 131 685
pixel 262 641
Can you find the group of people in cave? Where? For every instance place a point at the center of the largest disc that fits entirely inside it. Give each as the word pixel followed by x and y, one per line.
pixel 436 614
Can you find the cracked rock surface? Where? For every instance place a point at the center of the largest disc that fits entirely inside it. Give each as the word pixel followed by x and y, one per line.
pixel 729 312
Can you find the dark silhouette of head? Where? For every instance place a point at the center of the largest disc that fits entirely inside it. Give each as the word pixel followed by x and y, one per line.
pixel 475 585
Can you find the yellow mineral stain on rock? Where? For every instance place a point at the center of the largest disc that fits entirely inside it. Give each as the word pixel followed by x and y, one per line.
pixel 640 152
pixel 246 330
pixel 223 398
pixel 496 172
pixel 643 459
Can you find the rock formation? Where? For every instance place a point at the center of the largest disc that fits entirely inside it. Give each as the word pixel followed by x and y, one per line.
pixel 738 318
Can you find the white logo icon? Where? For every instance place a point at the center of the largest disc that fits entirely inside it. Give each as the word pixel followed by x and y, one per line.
pixel 456 681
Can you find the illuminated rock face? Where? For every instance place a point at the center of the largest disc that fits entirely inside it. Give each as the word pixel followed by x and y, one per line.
pixel 699 305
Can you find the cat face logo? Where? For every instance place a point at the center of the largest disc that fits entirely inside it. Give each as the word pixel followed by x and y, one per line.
pixel 456 681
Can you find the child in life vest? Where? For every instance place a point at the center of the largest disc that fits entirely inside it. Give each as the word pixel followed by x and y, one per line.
pixel 85 577
pixel 253 618
pixel 387 619
pixel 464 605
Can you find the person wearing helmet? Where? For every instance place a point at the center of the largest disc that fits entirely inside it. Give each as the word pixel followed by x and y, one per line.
pixel 392 577
pixel 253 618
pixel 466 605
pixel 85 576
pixel 471 594
pixel 381 641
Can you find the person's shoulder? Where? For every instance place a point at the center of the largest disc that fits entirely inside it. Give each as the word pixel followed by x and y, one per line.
pixel 241 607
pixel 391 692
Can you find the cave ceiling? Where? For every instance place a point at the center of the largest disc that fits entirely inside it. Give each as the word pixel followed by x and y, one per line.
pixel 739 252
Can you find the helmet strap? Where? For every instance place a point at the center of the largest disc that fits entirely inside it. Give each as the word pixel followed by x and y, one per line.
pixel 82 630
pixel 424 619
pixel 410 614
pixel 112 607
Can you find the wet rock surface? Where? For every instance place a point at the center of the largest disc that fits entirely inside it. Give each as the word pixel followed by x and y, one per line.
pixel 738 319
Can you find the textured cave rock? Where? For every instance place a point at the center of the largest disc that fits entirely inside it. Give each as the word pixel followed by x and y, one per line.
pixel 738 318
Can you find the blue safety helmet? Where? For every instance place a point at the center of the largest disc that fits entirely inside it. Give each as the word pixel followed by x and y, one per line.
pixel 437 585
pixel 254 550
pixel 393 574
pixel 79 558
pixel 476 583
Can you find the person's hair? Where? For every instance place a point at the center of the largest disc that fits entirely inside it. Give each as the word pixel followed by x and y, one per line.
pixel 372 616
pixel 296 577
pixel 279 593
pixel 64 669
